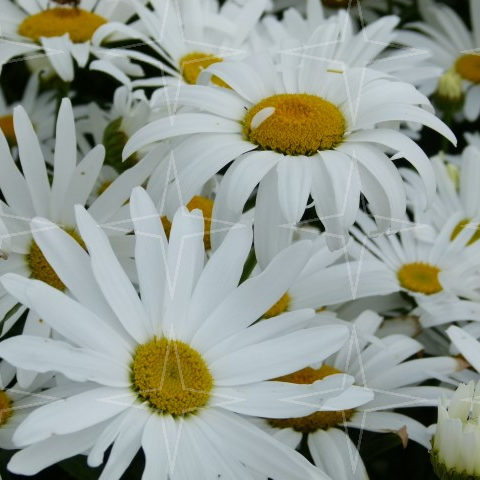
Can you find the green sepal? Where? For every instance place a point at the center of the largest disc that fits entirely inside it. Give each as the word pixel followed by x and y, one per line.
pixel 114 140
pixel 443 473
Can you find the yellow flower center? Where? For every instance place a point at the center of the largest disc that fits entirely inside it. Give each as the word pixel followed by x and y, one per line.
pixel 206 206
pixel 279 307
pixel 40 269
pixel 6 409
pixel 171 376
pixel 339 3
pixel 55 22
pixel 317 420
pixel 420 277
pixel 192 65
pixel 449 87
pixel 294 124
pixel 468 67
pixel 461 225
pixel 6 126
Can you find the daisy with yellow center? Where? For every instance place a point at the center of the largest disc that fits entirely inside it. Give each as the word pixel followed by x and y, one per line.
pixel 433 268
pixel 183 42
pixel 167 355
pixel 303 130
pixel 452 47
pixel 30 193
pixel 63 33
pixel 385 379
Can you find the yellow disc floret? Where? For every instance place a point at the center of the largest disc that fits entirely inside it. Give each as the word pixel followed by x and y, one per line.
pixel 279 307
pixel 171 376
pixel 192 65
pixel 318 420
pixel 55 22
pixel 420 277
pixel 206 206
pixel 39 267
pixel 6 409
pixel 6 126
pixel 468 67
pixel 460 226
pixel 294 124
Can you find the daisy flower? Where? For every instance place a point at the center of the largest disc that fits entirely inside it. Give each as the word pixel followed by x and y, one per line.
pixel 300 123
pixel 39 106
pixel 31 193
pixel 169 371
pixel 452 45
pixel 379 365
pixel 61 33
pixel 189 34
pixel 442 272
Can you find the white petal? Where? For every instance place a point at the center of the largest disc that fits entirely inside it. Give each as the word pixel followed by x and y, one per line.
pixel 274 358
pixel 112 279
pixel 75 322
pixel 45 355
pixel 41 455
pixel 72 414
pixel 334 452
pixel 257 449
pixel 254 297
pixel 33 163
pixel 150 254
pixel 65 158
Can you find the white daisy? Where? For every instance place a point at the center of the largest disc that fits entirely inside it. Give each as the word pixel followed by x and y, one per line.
pixel 382 365
pixel 452 45
pixel 300 123
pixel 443 272
pixel 31 193
pixel 61 33
pixel 40 107
pixel 187 36
pixel 219 365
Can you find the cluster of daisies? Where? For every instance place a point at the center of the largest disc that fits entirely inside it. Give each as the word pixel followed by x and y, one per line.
pixel 263 243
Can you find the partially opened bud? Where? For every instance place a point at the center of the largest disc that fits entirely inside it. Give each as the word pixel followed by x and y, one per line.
pixel 456 444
